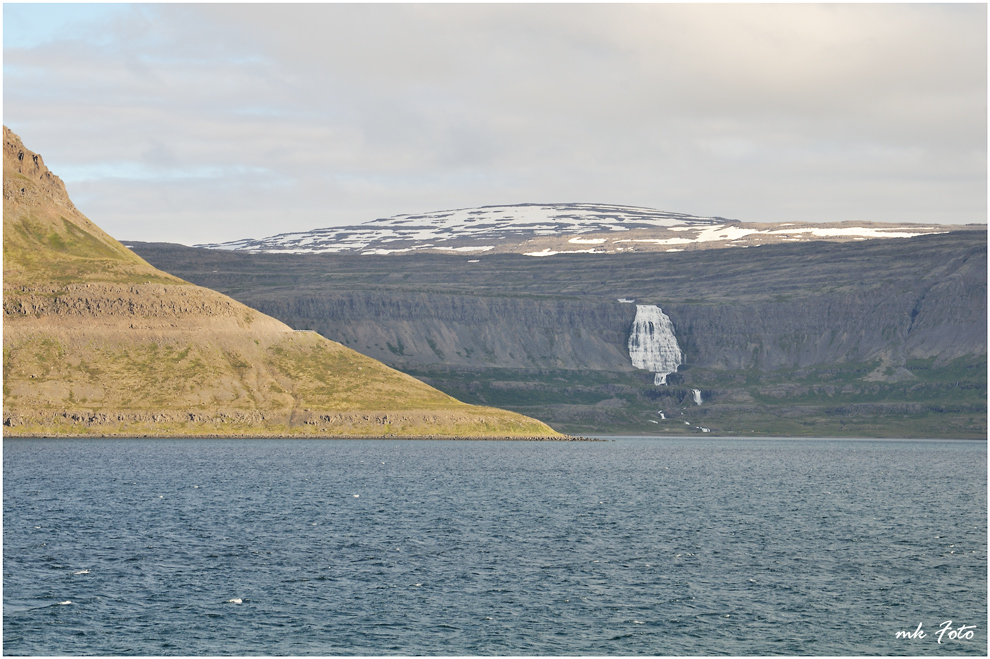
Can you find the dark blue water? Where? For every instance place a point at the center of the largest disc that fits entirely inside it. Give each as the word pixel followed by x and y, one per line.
pixel 637 546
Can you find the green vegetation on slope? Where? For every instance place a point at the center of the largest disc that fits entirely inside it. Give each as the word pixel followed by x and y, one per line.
pixel 300 384
pixel 37 252
pixel 99 342
pixel 828 401
pixel 47 241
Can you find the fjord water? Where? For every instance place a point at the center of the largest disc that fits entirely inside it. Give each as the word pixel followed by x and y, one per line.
pixel 632 546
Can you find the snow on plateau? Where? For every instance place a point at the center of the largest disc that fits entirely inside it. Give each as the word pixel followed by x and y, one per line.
pixel 471 223
pixel 407 233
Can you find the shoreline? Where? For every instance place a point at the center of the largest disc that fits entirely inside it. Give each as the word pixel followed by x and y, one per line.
pixel 493 438
pixel 468 438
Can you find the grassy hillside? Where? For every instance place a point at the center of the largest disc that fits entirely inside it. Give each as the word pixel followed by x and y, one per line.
pixel 99 342
pixel 831 400
pixel 46 240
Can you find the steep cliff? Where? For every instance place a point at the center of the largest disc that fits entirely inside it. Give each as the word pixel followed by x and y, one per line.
pixel 98 341
pixel 838 338
pixel 773 307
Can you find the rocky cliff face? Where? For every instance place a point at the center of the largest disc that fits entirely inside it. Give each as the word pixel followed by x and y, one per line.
pixel 29 181
pixel 865 328
pixel 766 308
pixel 944 319
pixel 424 328
pixel 106 301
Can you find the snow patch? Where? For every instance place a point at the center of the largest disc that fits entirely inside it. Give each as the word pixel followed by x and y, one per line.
pixel 723 233
pixel 550 252
pixel 864 232
pixel 479 248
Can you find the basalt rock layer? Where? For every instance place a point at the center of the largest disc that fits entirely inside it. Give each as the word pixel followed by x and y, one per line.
pixel 876 337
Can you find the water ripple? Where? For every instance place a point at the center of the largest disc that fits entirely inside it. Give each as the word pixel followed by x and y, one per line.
pixel 472 548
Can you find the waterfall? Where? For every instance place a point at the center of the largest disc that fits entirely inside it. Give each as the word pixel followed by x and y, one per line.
pixel 652 344
pixel 697 396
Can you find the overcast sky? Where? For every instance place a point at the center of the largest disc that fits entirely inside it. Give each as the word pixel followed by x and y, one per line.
pixel 200 123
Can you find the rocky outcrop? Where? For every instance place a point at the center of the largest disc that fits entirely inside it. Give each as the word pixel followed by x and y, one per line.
pixel 109 300
pixel 29 181
pixel 243 423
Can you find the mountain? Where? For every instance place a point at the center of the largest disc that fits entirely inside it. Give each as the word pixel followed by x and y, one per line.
pixel 99 342
pixel 555 229
pixel 867 337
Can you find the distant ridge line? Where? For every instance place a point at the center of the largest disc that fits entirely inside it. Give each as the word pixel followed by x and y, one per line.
pixel 537 230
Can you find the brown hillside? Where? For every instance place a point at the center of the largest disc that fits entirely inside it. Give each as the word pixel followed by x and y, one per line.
pixel 46 240
pixel 99 342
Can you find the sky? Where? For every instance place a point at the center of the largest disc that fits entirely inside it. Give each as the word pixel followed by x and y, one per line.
pixel 195 123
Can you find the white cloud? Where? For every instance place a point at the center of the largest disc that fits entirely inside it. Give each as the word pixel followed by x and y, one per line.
pixel 203 123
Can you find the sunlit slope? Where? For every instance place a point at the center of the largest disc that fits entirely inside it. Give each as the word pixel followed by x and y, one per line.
pixel 46 240
pixel 98 342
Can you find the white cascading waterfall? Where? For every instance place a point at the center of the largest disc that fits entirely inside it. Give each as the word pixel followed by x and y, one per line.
pixel 697 396
pixel 652 344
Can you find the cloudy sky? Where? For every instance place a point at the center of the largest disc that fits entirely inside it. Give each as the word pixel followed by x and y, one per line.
pixel 197 123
